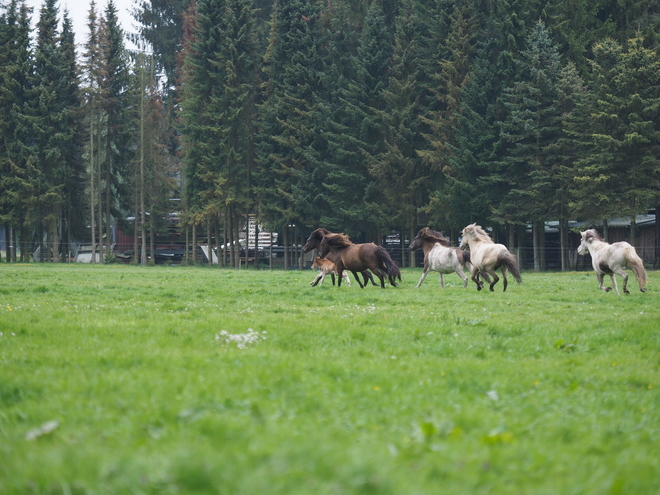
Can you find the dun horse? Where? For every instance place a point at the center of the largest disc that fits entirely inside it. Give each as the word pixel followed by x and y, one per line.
pixel 327 267
pixel 314 241
pixel 438 256
pixel 360 257
pixel 611 259
pixel 487 256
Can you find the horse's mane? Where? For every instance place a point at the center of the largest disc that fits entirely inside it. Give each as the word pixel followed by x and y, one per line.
pixel 592 235
pixel 319 233
pixel 477 233
pixel 434 236
pixel 336 240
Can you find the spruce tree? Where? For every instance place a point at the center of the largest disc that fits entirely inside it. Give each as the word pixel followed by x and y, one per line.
pixel 293 116
pixel 531 126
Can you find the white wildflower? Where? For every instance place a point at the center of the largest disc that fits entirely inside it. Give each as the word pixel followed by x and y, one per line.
pixel 242 340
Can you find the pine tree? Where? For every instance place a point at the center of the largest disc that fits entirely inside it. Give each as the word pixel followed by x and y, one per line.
pixel 73 218
pixel 530 127
pixel 118 137
pixel 41 133
pixel 15 81
pixel 400 177
pixel 292 117
pixel 619 175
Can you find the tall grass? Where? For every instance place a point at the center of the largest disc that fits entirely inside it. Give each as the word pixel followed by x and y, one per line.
pixel 118 379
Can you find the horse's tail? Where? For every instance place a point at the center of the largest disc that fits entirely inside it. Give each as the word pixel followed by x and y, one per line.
pixel 388 264
pixel 507 259
pixel 637 266
pixel 463 256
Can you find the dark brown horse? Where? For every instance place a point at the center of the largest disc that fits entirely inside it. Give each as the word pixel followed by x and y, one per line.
pixel 314 242
pixel 360 257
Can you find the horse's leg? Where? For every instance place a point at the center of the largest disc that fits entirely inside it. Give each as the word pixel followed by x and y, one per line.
pixel 495 279
pixel 614 286
pixel 381 275
pixel 368 277
pixel 316 280
pixel 600 277
pixel 475 277
pixel 504 281
pixel 421 279
pixel 332 275
pixel 355 274
pixel 348 280
pixel 622 273
pixel 459 271
pixel 442 280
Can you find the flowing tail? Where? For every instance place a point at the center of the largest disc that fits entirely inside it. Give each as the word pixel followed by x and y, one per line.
pixel 507 259
pixel 463 257
pixel 637 266
pixel 388 264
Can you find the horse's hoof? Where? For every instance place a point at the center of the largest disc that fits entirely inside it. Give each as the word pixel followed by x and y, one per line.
pixel 607 289
pixel 626 291
pixel 479 287
pixel 643 289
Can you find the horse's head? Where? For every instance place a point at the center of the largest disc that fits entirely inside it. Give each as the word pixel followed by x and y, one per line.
pixel 467 235
pixel 474 232
pixel 428 235
pixel 587 237
pixel 314 239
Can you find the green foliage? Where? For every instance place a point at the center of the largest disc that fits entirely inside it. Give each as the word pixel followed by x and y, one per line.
pixel 160 380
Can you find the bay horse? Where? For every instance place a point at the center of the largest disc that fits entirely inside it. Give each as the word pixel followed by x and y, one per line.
pixel 439 256
pixel 360 257
pixel 611 259
pixel 486 256
pixel 314 241
pixel 327 267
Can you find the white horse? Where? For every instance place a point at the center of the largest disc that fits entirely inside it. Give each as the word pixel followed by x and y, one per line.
pixel 487 256
pixel 611 259
pixel 439 257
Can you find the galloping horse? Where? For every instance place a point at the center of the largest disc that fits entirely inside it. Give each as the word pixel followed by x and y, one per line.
pixel 610 259
pixel 314 241
pixel 360 257
pixel 326 267
pixel 438 256
pixel 487 256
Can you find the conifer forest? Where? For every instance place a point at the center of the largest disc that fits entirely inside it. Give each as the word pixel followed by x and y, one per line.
pixel 361 116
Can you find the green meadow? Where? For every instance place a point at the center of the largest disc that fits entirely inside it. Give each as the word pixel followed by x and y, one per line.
pixel 185 380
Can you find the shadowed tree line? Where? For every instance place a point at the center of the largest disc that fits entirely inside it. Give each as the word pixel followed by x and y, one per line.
pixel 364 117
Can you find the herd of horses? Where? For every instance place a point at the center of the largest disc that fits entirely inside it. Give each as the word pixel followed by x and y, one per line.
pixel 338 255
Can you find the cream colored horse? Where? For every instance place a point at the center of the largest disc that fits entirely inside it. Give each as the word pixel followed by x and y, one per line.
pixel 487 256
pixel 611 259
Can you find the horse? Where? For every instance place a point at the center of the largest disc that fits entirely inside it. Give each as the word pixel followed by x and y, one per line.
pixel 486 256
pixel 611 259
pixel 314 241
pixel 360 257
pixel 326 267
pixel 438 256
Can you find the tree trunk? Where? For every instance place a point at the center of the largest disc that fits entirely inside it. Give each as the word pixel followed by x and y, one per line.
pixel 92 186
pixel 536 246
pixel 285 240
pixel 656 257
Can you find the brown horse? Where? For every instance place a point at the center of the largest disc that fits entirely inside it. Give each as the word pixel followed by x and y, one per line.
pixel 360 257
pixel 314 241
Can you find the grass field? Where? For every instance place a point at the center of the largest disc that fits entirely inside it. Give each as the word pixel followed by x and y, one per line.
pixel 175 380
